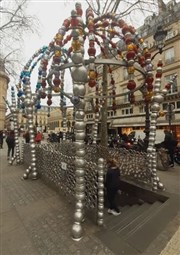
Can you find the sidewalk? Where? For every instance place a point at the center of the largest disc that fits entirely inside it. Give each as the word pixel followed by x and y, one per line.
pixel 35 220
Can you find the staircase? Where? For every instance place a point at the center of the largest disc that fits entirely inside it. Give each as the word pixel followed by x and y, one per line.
pixel 139 223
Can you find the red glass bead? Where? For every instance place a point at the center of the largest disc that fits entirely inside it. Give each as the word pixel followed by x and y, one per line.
pixel 57 82
pixel 66 23
pixel 131 85
pixel 92 83
pixel 43 95
pixel 49 102
pixel 91 51
pixel 130 55
pixel 149 87
pixel 74 22
pixel 168 86
pixel 158 75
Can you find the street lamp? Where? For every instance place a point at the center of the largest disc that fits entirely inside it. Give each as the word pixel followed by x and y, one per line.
pixel 159 38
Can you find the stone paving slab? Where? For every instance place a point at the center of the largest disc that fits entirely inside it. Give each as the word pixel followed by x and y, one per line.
pixel 36 220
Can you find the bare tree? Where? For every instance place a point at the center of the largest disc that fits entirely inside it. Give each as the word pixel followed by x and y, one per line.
pixel 15 23
pixel 123 8
pixel 127 10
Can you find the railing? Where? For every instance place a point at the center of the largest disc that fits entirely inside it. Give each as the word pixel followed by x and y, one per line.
pixel 55 163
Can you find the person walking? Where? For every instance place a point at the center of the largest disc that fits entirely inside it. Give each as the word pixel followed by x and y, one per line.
pixel 10 140
pixel 1 139
pixel 112 185
pixel 170 144
pixel 38 137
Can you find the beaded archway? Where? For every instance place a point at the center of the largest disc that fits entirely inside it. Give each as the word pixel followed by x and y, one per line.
pixel 108 37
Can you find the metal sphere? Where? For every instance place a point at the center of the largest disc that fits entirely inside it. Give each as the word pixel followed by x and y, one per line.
pixel 77 231
pixel 33 146
pixel 25 176
pixel 80 196
pixel 79 89
pixel 34 175
pixel 80 153
pixel 80 188
pixel 80 180
pixel 158 98
pixel 79 162
pixel 79 74
pixel 155 107
pixel 77 57
pixel 78 216
pixel 79 205
pixel 27 171
pixel 160 186
pixel 80 115
pixel 100 214
pixel 80 172
pixel 101 207
pixel 80 125
pixel 80 136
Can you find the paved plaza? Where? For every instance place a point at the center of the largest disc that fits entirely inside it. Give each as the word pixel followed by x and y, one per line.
pixel 36 220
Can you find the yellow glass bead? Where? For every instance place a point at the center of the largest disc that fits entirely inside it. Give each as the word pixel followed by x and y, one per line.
pixel 141 40
pixel 56 89
pixel 131 69
pixel 76 45
pixel 92 75
pixel 130 47
pixel 58 37
pixel 57 53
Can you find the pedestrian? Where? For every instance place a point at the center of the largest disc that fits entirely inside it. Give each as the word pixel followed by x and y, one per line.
pixel 10 140
pixel 170 144
pixel 1 139
pixel 38 137
pixel 27 137
pixel 112 184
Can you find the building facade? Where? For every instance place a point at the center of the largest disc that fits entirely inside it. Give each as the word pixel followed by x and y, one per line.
pixel 4 80
pixel 128 117
pixel 56 123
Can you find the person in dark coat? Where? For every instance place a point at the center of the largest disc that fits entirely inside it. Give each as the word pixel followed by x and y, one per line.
pixel 1 139
pixel 112 185
pixel 10 140
pixel 170 144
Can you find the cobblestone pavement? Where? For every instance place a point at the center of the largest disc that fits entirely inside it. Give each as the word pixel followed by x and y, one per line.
pixel 36 220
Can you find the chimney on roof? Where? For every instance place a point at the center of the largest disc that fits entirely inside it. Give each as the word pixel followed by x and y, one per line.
pixel 161 7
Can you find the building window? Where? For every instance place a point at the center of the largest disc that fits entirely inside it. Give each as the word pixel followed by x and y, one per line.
pixel 125 74
pixel 141 109
pixel 173 88
pixel 126 97
pixel 169 55
pixel 127 111
pixel 178 104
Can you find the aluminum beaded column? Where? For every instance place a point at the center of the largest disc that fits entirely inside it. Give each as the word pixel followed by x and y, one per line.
pixel 79 76
pixel 14 112
pixel 100 211
pixel 155 107
pixel 29 109
pixel 95 129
